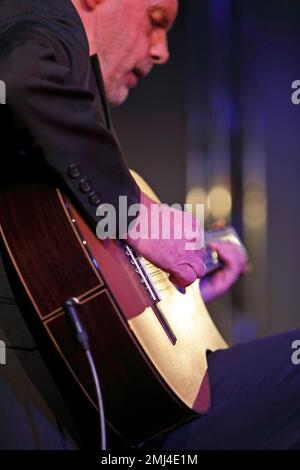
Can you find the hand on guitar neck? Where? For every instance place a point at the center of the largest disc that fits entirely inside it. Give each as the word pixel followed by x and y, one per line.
pixel 233 260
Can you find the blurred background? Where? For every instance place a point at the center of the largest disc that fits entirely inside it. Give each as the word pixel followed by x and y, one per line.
pixel 217 126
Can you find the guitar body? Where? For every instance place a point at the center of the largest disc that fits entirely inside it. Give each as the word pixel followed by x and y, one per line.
pixel 151 358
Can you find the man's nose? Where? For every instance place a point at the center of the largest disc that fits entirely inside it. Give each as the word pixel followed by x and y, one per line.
pixel 159 51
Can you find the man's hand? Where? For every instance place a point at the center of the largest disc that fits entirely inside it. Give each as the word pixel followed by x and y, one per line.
pixel 171 255
pixel 234 263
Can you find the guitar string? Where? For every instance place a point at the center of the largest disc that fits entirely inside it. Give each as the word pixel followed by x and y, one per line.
pixel 160 281
pixel 166 288
pixel 154 273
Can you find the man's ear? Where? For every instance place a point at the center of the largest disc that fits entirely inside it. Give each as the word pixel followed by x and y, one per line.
pixel 91 4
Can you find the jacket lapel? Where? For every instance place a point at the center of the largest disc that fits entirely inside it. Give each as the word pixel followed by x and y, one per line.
pixel 100 84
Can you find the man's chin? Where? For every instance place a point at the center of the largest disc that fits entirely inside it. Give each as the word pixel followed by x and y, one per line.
pixel 117 97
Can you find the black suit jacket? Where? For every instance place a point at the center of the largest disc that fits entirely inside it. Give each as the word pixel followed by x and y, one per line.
pixel 56 117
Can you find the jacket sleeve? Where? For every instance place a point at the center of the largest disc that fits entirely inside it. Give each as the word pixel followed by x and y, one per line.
pixel 62 120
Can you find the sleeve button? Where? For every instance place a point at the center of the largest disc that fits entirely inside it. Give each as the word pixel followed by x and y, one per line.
pixel 94 198
pixel 85 185
pixel 74 171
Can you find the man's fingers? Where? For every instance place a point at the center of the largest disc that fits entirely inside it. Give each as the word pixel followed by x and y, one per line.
pixel 187 274
pixel 185 279
pixel 231 254
pixel 234 263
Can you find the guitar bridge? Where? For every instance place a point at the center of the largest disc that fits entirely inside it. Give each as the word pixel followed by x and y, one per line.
pixel 150 288
pixel 143 274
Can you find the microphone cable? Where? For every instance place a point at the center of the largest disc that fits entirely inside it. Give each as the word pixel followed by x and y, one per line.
pixel 82 339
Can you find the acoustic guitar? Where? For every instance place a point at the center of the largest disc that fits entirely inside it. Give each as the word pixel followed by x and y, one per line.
pixel 148 339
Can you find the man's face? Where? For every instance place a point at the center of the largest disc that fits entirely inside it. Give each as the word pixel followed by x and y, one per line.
pixel 131 37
